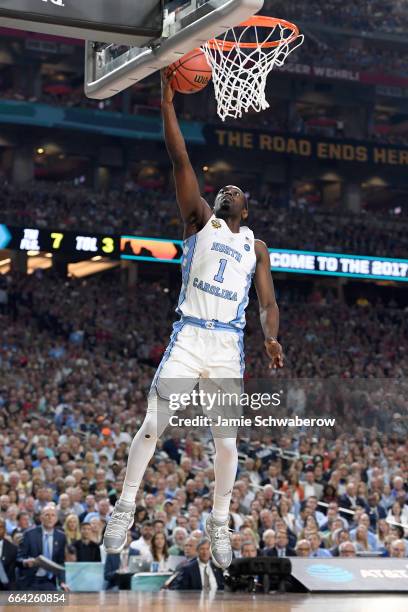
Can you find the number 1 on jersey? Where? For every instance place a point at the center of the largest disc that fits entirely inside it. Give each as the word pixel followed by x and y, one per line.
pixel 219 277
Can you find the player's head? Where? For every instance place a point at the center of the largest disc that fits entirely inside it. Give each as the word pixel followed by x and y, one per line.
pixel 231 203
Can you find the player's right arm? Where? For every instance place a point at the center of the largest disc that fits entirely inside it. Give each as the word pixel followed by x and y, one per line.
pixel 194 210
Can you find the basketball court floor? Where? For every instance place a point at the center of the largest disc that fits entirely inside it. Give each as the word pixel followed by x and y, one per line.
pixel 170 601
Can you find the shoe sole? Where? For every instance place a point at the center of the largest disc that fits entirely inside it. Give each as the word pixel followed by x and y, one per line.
pixel 114 551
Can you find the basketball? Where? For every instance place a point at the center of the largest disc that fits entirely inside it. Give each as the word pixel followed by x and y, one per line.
pixel 193 72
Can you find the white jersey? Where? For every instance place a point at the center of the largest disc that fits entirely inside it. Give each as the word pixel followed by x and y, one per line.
pixel 217 271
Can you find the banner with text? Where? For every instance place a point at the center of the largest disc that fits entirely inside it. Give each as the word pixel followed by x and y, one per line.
pixel 282 260
pixel 306 147
pixel 369 77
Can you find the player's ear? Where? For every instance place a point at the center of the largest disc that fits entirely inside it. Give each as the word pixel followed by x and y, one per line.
pixel 244 214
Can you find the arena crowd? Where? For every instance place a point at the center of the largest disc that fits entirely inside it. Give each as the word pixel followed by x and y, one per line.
pixel 367 15
pixel 298 219
pixel 76 365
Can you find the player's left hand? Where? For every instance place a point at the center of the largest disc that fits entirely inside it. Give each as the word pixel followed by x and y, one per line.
pixel 275 353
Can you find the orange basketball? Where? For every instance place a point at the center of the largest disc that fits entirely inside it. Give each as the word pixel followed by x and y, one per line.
pixel 193 72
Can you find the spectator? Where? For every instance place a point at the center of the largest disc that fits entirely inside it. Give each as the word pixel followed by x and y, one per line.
pixel 310 486
pixel 272 477
pixel 179 538
pixel 103 512
pixel 90 508
pixel 44 540
pixel 142 545
pixel 315 542
pixel 158 554
pixel 23 522
pixel 282 549
pixel 350 501
pixel 269 541
pixel 97 529
pixel 347 550
pixel 371 537
pixel 398 514
pixel 71 528
pixel 398 549
pixel 312 505
pixel 303 548
pixel 236 545
pixel 361 539
pixel 64 508
pixel 375 510
pixel 8 555
pixel 86 550
pixel 189 551
pixel 249 550
pixel 199 574
pixel 11 518
pixel 339 536
pixel 287 516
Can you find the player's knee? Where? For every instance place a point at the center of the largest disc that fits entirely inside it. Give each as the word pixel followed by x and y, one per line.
pixel 226 449
pixel 149 430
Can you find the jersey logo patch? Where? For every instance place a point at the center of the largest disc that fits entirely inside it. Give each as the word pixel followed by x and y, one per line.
pixel 247 247
pixel 216 224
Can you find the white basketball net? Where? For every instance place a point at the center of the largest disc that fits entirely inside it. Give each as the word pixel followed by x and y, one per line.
pixel 239 74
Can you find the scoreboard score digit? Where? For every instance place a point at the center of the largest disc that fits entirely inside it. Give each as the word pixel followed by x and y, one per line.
pixel 56 239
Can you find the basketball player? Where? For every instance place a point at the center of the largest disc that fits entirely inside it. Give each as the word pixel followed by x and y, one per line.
pixel 220 257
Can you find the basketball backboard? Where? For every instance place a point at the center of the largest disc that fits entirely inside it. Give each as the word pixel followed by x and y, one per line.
pixel 132 22
pixel 111 68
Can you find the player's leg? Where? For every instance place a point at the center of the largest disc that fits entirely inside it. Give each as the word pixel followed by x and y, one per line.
pixel 225 369
pixel 143 446
pixel 141 451
pixel 178 371
pixel 225 469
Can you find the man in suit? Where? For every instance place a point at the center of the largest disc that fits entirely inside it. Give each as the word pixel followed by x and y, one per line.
pixel 199 574
pixel 281 548
pixel 273 477
pixel 8 554
pixel 42 540
pixel 350 501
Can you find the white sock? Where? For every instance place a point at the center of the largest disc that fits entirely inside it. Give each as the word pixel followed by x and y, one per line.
pixel 225 469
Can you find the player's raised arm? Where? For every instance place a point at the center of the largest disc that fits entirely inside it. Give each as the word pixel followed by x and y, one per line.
pixel 268 308
pixel 195 211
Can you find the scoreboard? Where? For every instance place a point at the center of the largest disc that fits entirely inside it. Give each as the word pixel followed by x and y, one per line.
pixel 59 241
pixel 82 245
